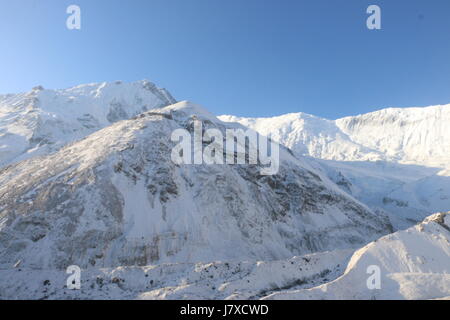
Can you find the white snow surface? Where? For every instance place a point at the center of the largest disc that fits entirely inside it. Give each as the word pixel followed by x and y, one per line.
pixel 416 136
pixel 394 160
pixel 42 121
pixel 414 264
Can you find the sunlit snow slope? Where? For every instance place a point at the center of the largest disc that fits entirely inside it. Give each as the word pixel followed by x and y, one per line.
pixel 42 121
pixel 417 136
pixel 414 264
pixel 394 160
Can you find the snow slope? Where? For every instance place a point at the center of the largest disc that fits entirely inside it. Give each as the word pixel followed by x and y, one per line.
pixel 414 264
pixel 412 135
pixel 41 121
pixel 394 160
pixel 115 199
pixel 308 135
pixel 402 135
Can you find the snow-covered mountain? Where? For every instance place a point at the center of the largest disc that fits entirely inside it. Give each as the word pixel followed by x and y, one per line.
pixel 116 198
pixel 394 160
pixel 416 136
pixel 42 121
pixel 87 179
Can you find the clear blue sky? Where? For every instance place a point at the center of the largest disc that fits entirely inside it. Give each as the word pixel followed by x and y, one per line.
pixel 243 57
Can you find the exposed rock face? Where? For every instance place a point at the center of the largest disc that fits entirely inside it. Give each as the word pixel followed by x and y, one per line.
pixel 115 198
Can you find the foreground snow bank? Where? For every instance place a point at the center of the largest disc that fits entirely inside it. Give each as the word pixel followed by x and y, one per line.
pixel 413 264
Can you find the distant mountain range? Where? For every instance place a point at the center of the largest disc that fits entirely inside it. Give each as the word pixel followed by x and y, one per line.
pixel 393 160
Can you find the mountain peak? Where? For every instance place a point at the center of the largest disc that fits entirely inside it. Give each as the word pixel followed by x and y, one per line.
pixel 187 109
pixel 51 118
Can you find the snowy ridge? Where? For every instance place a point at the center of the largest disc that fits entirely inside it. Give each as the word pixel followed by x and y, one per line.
pixel 394 160
pixel 411 135
pixel 404 135
pixel 308 135
pixel 41 121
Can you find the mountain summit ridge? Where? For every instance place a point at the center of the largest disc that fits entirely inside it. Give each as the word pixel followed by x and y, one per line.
pixel 42 121
pixel 391 134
